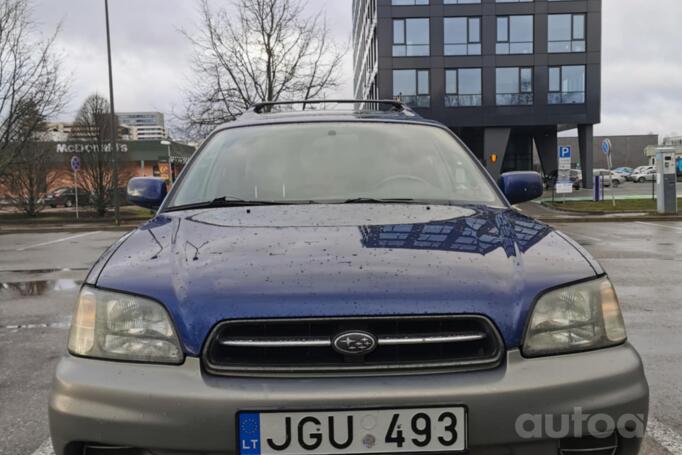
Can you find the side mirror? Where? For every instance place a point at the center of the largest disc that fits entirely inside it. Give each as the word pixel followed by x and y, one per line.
pixel 521 187
pixel 147 192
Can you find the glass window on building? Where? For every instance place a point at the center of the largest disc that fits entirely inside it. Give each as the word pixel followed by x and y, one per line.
pixel 412 87
pixel 566 33
pixel 410 37
pixel 566 84
pixel 513 1
pixel 409 2
pixel 514 35
pixel 463 87
pixel 514 86
pixel 462 35
pixel 460 2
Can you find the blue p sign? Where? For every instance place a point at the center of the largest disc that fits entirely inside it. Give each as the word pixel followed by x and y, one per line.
pixel 565 152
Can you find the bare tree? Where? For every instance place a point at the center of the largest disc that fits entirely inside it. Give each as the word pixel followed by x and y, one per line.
pixel 92 128
pixel 31 174
pixel 260 50
pixel 30 80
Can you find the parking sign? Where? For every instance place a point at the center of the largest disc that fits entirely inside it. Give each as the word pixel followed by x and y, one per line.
pixel 75 164
pixel 563 183
pixel 606 146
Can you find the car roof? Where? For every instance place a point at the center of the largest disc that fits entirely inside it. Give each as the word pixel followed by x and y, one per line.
pixel 396 111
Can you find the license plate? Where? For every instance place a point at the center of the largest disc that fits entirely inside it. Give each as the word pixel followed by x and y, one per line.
pixel 414 430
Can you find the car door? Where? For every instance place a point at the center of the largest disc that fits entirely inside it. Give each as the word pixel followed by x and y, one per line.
pixel 651 175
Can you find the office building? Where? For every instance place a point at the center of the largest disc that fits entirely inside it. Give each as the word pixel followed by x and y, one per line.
pixel 503 75
pixel 144 126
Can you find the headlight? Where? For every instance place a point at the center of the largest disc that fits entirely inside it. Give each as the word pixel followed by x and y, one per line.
pixel 109 325
pixel 576 318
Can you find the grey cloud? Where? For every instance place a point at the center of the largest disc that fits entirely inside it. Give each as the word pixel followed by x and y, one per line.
pixel 642 87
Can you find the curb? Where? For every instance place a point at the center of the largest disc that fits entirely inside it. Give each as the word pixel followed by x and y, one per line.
pixel 610 219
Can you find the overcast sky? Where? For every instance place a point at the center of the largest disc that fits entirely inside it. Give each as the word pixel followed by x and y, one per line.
pixel 642 72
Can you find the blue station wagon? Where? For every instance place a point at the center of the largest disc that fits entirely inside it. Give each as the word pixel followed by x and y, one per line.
pixel 321 281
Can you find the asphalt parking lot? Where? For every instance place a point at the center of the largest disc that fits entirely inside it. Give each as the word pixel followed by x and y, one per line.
pixel 40 275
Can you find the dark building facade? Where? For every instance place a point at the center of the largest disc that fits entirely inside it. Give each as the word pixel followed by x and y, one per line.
pixel 503 75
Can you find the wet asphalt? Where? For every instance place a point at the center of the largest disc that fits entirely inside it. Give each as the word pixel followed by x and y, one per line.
pixel 40 275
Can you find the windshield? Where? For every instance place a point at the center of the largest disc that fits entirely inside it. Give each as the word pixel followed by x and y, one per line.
pixel 334 162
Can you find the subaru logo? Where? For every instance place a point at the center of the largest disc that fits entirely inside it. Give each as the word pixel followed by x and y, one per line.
pixel 354 343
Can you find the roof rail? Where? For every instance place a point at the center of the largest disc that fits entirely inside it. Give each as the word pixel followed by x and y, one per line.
pixel 394 105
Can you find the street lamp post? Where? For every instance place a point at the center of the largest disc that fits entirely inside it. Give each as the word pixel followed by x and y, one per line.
pixel 170 162
pixel 114 123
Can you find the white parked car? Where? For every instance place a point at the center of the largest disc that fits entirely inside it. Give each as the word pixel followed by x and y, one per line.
pixel 610 177
pixel 638 171
pixel 647 175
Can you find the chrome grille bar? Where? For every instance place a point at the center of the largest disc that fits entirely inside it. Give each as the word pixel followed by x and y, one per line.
pixel 323 342
pixel 450 338
pixel 275 342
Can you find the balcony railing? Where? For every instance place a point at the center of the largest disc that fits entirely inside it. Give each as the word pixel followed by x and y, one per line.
pixel 410 50
pixel 514 99
pixel 514 48
pixel 462 49
pixel 557 47
pixel 566 98
pixel 423 101
pixel 463 100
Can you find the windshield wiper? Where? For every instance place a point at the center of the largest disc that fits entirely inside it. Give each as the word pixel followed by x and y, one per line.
pixel 223 201
pixel 372 200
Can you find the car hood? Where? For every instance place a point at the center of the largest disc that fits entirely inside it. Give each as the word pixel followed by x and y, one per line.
pixel 341 260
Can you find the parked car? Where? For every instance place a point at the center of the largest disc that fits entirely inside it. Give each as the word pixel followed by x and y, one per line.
pixel 646 175
pixel 66 197
pixel 617 178
pixel 624 171
pixel 639 170
pixel 576 178
pixel 342 282
pixel 609 177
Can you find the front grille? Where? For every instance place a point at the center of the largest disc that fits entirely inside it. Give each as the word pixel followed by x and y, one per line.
pixel 307 345
pixel 589 445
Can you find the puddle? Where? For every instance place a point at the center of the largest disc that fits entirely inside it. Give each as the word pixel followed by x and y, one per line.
pixel 36 288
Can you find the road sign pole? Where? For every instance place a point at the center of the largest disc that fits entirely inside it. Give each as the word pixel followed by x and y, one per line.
pixel 75 189
pixel 114 122
pixel 607 148
pixel 613 186
pixel 75 167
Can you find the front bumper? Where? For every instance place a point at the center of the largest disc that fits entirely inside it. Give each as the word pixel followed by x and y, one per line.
pixel 182 410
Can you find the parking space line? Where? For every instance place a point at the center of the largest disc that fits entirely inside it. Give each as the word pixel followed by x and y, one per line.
pixel 659 225
pixel 45 448
pixel 37 245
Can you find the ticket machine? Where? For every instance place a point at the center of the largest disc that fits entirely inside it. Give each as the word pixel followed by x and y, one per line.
pixel 666 181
